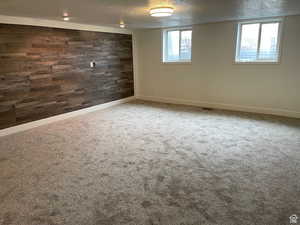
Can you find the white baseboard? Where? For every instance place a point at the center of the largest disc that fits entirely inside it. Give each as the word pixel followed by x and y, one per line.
pixel 30 125
pixel 253 109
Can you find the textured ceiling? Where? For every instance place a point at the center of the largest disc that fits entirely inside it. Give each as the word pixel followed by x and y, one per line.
pixel 135 12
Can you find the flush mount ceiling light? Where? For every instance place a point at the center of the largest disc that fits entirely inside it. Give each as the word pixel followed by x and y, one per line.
pixel 161 11
pixel 66 16
pixel 122 24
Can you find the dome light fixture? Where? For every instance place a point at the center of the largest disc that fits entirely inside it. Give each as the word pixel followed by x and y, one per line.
pixel 161 11
pixel 122 24
pixel 65 16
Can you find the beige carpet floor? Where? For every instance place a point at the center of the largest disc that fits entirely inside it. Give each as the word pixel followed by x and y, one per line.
pixel 154 164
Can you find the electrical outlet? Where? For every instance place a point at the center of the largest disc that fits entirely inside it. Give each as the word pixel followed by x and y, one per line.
pixel 92 64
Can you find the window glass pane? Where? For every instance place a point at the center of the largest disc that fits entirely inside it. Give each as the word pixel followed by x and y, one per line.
pixel 186 45
pixel 268 43
pixel 172 46
pixel 249 42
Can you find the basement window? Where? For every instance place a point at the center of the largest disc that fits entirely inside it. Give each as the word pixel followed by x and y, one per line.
pixel 258 41
pixel 177 45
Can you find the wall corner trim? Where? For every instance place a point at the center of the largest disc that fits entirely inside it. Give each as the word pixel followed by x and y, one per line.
pixel 250 109
pixel 135 63
pixel 60 24
pixel 38 123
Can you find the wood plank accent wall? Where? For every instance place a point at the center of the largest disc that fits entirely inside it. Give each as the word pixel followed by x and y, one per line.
pixel 46 71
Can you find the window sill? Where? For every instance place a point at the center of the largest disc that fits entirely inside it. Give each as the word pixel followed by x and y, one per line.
pixel 178 63
pixel 257 63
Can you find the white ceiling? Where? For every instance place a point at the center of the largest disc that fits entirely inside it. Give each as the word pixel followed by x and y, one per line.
pixel 135 12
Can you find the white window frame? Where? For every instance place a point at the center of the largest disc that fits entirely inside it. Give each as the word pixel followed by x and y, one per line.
pixel 165 41
pixel 239 37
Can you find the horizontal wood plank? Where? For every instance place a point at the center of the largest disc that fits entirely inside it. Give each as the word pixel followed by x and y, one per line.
pixel 46 71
